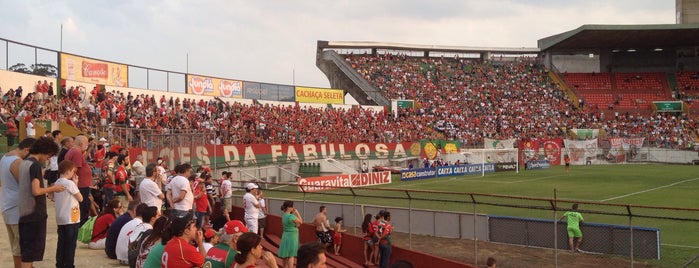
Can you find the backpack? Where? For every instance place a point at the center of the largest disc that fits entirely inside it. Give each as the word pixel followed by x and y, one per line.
pixel 85 231
pixel 135 247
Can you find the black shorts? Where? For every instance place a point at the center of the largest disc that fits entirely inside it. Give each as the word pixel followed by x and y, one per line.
pixel 324 237
pixel 262 223
pixel 32 240
pixel 51 176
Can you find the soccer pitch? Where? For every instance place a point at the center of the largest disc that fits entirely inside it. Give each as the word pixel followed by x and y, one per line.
pixel 655 185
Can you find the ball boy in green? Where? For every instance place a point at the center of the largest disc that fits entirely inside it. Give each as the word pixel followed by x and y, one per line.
pixel 574 218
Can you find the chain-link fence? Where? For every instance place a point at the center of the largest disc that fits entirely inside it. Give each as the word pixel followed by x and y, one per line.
pixel 524 232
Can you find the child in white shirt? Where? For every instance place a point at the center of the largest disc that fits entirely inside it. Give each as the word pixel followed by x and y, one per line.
pixel 67 214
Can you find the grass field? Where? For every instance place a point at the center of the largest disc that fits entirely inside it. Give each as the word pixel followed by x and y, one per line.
pixel 675 186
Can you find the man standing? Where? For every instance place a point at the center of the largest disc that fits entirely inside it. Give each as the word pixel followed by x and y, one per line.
pixel 222 255
pixel 66 144
pixel 32 201
pixel 251 206
pixel 227 195
pixel 77 155
pixel 574 218
pixel 311 255
pixel 51 174
pixel 121 181
pixel 9 192
pixel 150 188
pixel 320 221
pixel 181 191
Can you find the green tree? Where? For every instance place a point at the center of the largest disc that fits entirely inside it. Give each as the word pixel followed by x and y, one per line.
pixel 41 69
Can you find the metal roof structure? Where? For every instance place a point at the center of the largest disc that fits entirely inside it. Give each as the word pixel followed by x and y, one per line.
pixel 623 37
pixel 433 48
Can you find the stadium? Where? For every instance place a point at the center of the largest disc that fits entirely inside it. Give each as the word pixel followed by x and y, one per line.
pixel 477 152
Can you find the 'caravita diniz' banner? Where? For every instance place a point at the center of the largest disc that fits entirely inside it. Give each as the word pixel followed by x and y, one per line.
pixel 253 154
pixel 325 183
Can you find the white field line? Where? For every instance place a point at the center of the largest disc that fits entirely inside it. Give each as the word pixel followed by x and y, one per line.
pixel 679 246
pixel 473 179
pixel 648 190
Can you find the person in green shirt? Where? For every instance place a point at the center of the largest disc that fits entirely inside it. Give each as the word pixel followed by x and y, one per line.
pixel 574 218
pixel 222 255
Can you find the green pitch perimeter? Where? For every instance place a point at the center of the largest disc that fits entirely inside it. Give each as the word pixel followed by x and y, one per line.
pixel 633 184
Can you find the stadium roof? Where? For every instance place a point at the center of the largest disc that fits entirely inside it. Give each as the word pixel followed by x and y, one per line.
pixel 435 48
pixel 623 37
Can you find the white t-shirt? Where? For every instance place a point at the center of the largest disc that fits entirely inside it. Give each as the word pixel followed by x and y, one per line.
pixel 149 192
pixel 122 245
pixel 144 226
pixel 30 129
pixel 226 184
pixel 262 211
pixel 249 203
pixel 177 184
pixel 67 206
pixel 53 163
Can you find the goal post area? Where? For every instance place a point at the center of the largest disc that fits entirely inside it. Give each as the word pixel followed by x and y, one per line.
pixel 490 160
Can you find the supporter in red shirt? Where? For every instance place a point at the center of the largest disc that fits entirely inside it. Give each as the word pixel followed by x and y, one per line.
pixel 178 251
pixel 201 201
pixel 99 230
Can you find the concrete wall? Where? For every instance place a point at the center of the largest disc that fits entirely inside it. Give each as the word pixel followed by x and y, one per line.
pixel 577 63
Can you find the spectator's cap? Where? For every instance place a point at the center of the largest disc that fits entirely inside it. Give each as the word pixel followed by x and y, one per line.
pixel 160 161
pixel 103 139
pixel 252 186
pixel 234 227
pixel 209 233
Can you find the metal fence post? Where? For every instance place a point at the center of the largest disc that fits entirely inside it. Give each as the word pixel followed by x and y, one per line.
pixel 410 222
pixel 555 229
pixel 628 209
pixel 475 237
pixel 354 198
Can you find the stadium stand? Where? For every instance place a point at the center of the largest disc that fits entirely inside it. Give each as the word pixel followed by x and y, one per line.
pixel 462 99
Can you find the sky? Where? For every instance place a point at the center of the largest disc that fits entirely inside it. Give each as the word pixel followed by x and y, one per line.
pixel 275 41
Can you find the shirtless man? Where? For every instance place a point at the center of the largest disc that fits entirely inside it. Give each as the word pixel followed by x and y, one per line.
pixel 320 221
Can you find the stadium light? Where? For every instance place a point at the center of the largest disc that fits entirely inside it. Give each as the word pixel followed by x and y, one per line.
pixel 658 49
pixel 631 50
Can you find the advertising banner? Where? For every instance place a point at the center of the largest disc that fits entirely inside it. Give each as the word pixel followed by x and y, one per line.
pixel 254 154
pixel 552 150
pixel 580 151
pixel 286 93
pixel 464 169
pixel 325 183
pixel 251 90
pixel 538 164
pixel 585 134
pixel 528 150
pixel 418 174
pixel 499 144
pixel 620 148
pixel 511 166
pixel 320 95
pixel 76 68
pixel 434 148
pixel 210 86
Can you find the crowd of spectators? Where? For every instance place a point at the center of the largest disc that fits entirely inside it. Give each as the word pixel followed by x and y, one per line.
pixel 470 99
pixel 461 99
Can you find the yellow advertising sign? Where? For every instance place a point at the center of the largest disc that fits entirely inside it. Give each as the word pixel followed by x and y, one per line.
pixel 209 86
pixel 76 68
pixel 320 95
